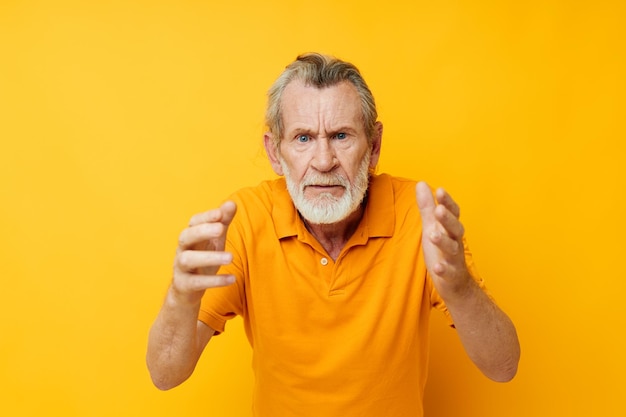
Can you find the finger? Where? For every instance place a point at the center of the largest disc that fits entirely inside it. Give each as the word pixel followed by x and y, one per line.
pixel 445 270
pixel 200 233
pixel 444 199
pixel 449 222
pixel 448 246
pixel 229 208
pixel 190 260
pixel 425 201
pixel 189 283
pixel 210 216
pixel 223 214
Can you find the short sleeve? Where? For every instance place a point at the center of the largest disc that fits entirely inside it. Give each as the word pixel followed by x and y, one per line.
pixel 224 303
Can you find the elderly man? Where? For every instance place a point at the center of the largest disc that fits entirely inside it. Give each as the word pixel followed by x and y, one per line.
pixel 333 268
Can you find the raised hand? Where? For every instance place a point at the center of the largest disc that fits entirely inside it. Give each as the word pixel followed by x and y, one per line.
pixel 200 253
pixel 487 334
pixel 442 240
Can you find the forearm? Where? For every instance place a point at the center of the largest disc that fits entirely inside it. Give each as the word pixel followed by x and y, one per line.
pixel 174 345
pixel 486 332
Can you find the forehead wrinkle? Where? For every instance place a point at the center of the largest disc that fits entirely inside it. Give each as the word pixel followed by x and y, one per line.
pixel 298 113
pixel 340 108
pixel 330 108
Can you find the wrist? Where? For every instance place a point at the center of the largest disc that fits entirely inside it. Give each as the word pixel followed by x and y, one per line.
pixel 460 288
pixel 183 299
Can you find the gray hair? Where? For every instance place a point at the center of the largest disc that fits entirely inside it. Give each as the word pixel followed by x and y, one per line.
pixel 319 71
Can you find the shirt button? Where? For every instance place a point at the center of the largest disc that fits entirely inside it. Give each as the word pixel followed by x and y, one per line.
pixel 324 261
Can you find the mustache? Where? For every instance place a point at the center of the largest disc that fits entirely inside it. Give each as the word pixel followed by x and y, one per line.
pixel 324 180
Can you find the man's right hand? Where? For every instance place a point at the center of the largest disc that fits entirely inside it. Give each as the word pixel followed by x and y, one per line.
pixel 177 338
pixel 200 254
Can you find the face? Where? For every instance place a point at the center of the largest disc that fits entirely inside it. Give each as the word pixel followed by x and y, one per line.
pixel 325 154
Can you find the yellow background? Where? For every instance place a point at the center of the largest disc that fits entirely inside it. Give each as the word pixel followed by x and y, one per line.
pixel 120 119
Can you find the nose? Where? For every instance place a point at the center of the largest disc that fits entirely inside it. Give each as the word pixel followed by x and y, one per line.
pixel 325 159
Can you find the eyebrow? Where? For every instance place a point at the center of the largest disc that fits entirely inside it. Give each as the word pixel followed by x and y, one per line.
pixel 305 130
pixel 300 131
pixel 346 129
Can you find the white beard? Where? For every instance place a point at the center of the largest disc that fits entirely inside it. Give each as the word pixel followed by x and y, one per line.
pixel 326 208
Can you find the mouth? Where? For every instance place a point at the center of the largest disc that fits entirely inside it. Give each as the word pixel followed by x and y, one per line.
pixel 318 190
pixel 323 187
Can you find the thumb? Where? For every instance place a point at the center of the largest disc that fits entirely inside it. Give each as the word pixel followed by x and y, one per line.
pixel 228 209
pixel 425 200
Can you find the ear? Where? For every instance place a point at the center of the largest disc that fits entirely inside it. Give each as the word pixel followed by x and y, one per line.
pixel 272 153
pixel 376 144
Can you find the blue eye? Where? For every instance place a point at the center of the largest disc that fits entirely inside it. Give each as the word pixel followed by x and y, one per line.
pixel 303 138
pixel 341 135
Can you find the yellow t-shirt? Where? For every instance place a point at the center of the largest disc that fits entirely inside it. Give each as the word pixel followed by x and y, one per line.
pixel 330 338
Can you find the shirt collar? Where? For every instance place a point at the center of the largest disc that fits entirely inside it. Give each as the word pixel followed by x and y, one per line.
pixel 378 220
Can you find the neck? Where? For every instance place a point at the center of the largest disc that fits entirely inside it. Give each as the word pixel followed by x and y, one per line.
pixel 333 237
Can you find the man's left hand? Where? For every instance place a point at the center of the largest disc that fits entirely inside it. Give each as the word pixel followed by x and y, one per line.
pixel 442 240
